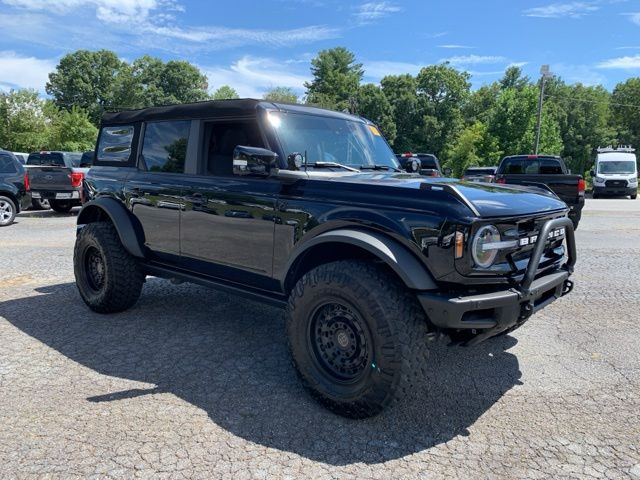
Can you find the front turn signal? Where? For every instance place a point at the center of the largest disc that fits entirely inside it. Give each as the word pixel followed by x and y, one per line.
pixel 459 244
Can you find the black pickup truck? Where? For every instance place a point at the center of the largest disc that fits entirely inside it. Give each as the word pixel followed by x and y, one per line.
pixel 56 179
pixel 545 171
pixel 305 208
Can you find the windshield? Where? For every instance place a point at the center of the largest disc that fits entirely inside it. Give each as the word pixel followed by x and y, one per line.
pixel 620 166
pixel 325 139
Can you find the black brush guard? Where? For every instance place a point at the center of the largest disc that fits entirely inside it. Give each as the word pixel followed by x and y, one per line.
pixel 495 312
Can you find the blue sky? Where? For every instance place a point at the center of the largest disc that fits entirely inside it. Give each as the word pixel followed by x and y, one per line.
pixel 256 45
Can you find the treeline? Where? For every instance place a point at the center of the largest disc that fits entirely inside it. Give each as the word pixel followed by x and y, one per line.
pixel 434 111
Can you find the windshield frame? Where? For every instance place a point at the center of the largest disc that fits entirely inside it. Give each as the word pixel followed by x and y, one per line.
pixel 365 127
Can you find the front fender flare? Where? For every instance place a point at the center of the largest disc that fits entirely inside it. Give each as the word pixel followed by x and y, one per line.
pixel 129 230
pixel 404 263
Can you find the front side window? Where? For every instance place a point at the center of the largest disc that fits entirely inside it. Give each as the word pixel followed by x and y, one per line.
pixel 115 144
pixel 328 139
pixel 222 138
pixel 165 146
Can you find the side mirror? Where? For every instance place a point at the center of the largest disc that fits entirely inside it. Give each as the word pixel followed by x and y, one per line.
pixel 447 171
pixel 592 173
pixel 253 161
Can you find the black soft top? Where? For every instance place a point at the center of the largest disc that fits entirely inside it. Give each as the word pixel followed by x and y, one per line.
pixel 214 108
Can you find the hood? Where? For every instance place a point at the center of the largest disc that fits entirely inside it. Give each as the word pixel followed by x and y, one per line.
pixel 484 199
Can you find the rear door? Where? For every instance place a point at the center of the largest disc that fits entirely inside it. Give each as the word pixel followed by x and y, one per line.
pixel 154 190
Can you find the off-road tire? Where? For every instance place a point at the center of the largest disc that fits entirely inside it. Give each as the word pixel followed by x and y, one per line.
pixel 8 211
pixel 40 204
pixel 119 286
pixel 393 322
pixel 633 197
pixel 61 206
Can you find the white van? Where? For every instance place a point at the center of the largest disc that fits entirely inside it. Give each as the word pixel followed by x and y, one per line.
pixel 615 172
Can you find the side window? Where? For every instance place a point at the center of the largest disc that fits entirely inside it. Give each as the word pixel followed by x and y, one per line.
pixel 7 165
pixel 115 144
pixel 222 138
pixel 165 146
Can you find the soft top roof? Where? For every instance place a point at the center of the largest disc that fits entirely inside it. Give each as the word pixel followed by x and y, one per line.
pixel 212 108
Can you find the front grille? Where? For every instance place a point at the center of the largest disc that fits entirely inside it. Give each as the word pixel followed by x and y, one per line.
pixel 615 183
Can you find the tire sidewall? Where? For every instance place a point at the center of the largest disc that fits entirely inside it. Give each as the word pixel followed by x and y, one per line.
pixel 380 376
pixel 13 211
pixel 87 240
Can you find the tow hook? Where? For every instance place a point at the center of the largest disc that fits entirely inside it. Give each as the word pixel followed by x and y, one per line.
pixel 567 287
pixel 526 311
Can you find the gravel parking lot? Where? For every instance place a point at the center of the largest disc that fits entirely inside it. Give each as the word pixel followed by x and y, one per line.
pixel 197 384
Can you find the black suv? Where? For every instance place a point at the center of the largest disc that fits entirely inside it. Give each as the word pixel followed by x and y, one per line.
pixel 304 208
pixel 14 188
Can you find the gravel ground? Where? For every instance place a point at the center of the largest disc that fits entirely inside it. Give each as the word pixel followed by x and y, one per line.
pixel 197 384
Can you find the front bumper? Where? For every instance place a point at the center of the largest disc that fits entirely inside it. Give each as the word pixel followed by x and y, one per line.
pixel 496 311
pixel 615 190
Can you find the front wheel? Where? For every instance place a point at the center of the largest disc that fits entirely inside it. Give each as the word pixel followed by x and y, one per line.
pixel 634 196
pixel 109 279
pixel 357 337
pixel 7 211
pixel 61 206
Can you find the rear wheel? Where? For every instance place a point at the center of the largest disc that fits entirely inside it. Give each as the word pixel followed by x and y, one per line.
pixel 7 211
pixel 40 204
pixel 61 206
pixel 634 196
pixel 357 337
pixel 109 279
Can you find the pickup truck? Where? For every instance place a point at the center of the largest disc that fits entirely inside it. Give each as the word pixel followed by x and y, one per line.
pixel 427 164
pixel 369 263
pixel 547 172
pixel 56 178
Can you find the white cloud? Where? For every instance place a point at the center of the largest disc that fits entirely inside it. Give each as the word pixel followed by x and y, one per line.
pixel 252 76
pixel 376 70
pixel 24 72
pixel 561 10
pixel 622 63
pixel 584 74
pixel 635 17
pixel 455 46
pixel 462 60
pixel 372 11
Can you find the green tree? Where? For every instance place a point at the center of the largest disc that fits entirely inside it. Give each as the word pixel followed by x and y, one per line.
pixel 372 104
pixel 442 92
pixel 71 130
pixel 225 92
pixel 475 146
pixel 85 79
pixel 513 78
pixel 23 124
pixel 400 92
pixel 336 78
pixel 281 94
pixel 625 105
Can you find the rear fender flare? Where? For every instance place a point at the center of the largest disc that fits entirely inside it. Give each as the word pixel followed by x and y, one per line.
pixel 128 228
pixel 413 273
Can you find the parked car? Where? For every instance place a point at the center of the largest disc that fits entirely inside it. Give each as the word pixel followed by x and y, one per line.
pixel 548 172
pixel 369 263
pixel 428 164
pixel 56 178
pixel 615 172
pixel 14 188
pixel 22 157
pixel 479 174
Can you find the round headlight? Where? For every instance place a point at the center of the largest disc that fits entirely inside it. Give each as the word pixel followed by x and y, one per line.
pixel 483 256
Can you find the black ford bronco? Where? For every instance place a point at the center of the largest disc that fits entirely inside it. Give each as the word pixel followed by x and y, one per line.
pixel 307 209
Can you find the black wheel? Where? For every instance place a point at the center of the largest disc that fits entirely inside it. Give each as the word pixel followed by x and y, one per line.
pixel 40 204
pixel 61 206
pixel 634 196
pixel 7 211
pixel 357 337
pixel 109 279
pixel 595 195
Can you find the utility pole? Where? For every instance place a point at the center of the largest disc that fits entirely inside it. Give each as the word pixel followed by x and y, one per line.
pixel 546 73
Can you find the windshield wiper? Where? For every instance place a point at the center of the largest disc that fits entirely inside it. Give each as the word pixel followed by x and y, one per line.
pixel 328 165
pixel 379 167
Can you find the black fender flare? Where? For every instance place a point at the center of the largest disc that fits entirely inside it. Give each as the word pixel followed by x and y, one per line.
pixel 399 258
pixel 129 231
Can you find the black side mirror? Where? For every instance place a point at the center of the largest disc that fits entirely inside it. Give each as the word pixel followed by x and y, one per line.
pixel 592 173
pixel 447 172
pixel 253 161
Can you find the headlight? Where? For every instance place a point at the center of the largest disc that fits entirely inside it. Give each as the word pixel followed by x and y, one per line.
pixel 483 254
pixel 599 180
pixel 633 180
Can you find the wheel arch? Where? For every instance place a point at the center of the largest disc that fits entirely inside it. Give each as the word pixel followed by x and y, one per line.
pixel 112 210
pixel 343 244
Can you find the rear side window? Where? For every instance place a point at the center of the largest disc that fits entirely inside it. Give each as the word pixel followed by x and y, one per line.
pixel 165 146
pixel 115 144
pixel 7 165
